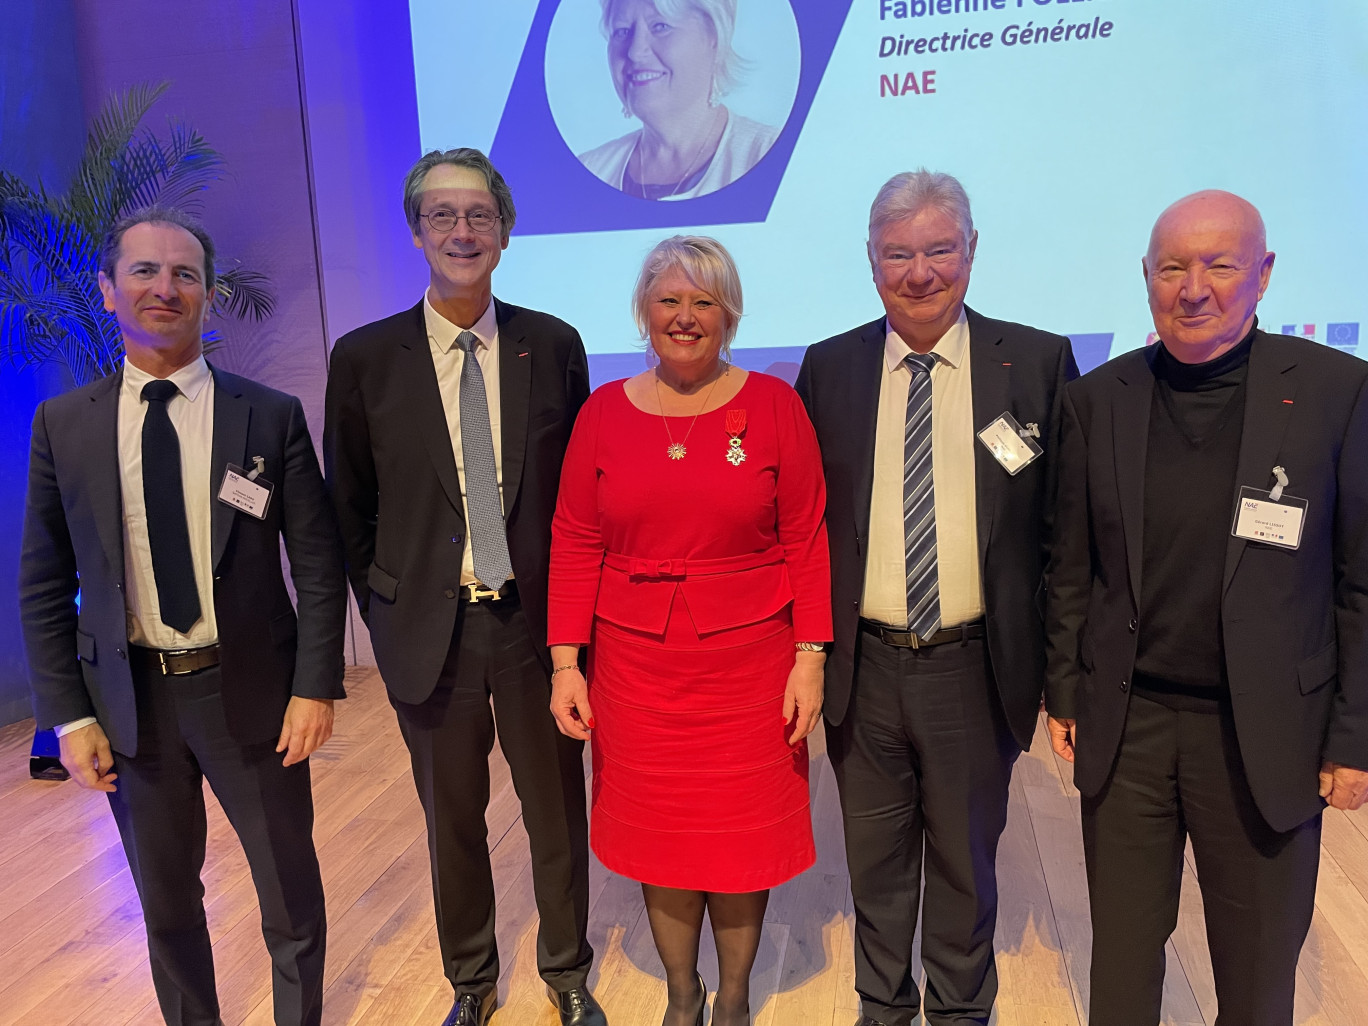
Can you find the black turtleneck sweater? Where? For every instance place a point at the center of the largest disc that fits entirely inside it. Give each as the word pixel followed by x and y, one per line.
pixel 1196 419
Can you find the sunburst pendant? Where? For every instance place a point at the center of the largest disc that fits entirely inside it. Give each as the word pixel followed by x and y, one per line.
pixel 676 451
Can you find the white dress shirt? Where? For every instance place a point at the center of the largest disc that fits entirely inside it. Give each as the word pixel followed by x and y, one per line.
pixel 447 358
pixel 192 415
pixel 952 469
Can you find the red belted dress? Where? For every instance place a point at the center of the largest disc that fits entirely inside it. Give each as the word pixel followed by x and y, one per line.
pixel 690 580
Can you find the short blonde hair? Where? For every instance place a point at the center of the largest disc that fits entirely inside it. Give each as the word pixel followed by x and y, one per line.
pixel 721 14
pixel 707 264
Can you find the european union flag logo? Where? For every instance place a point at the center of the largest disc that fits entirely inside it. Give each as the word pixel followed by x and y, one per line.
pixel 1342 336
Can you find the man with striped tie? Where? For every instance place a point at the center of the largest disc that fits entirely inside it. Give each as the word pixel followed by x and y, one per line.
pixel 938 543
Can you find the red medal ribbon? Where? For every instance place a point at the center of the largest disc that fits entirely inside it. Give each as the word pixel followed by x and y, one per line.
pixel 736 422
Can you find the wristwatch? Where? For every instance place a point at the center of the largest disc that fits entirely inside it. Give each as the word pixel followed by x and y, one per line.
pixel 809 646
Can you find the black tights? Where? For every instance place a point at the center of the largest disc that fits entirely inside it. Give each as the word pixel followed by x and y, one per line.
pixel 676 918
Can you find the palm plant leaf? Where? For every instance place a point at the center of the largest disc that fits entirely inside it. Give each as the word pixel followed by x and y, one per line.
pixel 168 174
pixel 50 304
pixel 59 247
pixel 98 192
pixel 47 283
pixel 191 166
pixel 15 189
pixel 244 294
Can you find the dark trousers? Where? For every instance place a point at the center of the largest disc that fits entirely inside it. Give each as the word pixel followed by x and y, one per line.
pixel 1178 773
pixel 924 757
pixel 449 739
pixel 159 807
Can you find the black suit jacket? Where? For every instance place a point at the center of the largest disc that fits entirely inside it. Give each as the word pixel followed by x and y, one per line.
pixel 393 478
pixel 1294 623
pixel 1014 368
pixel 73 526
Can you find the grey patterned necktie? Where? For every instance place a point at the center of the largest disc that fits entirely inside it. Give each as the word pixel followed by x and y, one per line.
pixel 488 541
pixel 919 503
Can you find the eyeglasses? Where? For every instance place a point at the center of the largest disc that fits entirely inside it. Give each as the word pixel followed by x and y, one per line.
pixel 443 221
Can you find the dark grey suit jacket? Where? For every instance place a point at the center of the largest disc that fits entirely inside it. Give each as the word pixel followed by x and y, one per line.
pixel 1014 368
pixel 393 478
pixel 1294 623
pixel 73 538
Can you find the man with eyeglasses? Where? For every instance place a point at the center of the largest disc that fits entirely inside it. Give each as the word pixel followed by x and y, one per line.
pixel 937 429
pixel 446 426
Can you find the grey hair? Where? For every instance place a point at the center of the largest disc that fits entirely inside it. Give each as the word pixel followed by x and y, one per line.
pixel 113 239
pixel 910 192
pixel 721 14
pixel 462 156
pixel 707 264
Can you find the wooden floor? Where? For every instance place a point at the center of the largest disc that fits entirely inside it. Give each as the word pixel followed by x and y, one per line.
pixel 72 948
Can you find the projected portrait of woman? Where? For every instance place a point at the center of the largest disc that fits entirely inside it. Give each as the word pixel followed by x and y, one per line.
pixel 671 64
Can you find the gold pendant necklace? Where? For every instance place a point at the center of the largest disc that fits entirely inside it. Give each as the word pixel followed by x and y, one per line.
pixel 676 450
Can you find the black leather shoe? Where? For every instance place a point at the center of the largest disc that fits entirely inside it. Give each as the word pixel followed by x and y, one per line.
pixel 577 1007
pixel 469 1010
pixel 702 1001
pixel 866 1020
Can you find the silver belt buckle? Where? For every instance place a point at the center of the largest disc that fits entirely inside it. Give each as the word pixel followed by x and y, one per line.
pixel 886 633
pixel 167 672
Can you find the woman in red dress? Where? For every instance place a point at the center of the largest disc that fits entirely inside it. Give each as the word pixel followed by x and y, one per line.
pixel 689 553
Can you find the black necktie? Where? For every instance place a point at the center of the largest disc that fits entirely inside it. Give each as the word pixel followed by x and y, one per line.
pixel 168 533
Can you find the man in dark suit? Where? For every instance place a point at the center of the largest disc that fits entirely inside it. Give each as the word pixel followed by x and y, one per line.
pixel 938 541
pixel 446 426
pixel 162 493
pixel 1208 631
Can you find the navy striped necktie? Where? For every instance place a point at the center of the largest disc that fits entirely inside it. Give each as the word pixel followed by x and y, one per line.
pixel 919 503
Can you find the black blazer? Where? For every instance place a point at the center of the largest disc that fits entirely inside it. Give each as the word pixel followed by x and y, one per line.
pixel 393 478
pixel 1295 623
pixel 1014 368
pixel 73 525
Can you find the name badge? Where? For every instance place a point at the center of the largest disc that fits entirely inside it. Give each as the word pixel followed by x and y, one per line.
pixel 1011 445
pixel 1262 517
pixel 247 491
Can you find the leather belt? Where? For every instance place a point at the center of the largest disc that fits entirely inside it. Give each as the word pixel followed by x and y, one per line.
pixel 181 661
pixel 473 593
pixel 906 639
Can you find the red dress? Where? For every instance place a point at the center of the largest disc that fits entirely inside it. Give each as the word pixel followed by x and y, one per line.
pixel 690 580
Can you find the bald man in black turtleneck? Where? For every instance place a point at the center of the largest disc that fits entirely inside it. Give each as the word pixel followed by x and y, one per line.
pixel 1208 684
